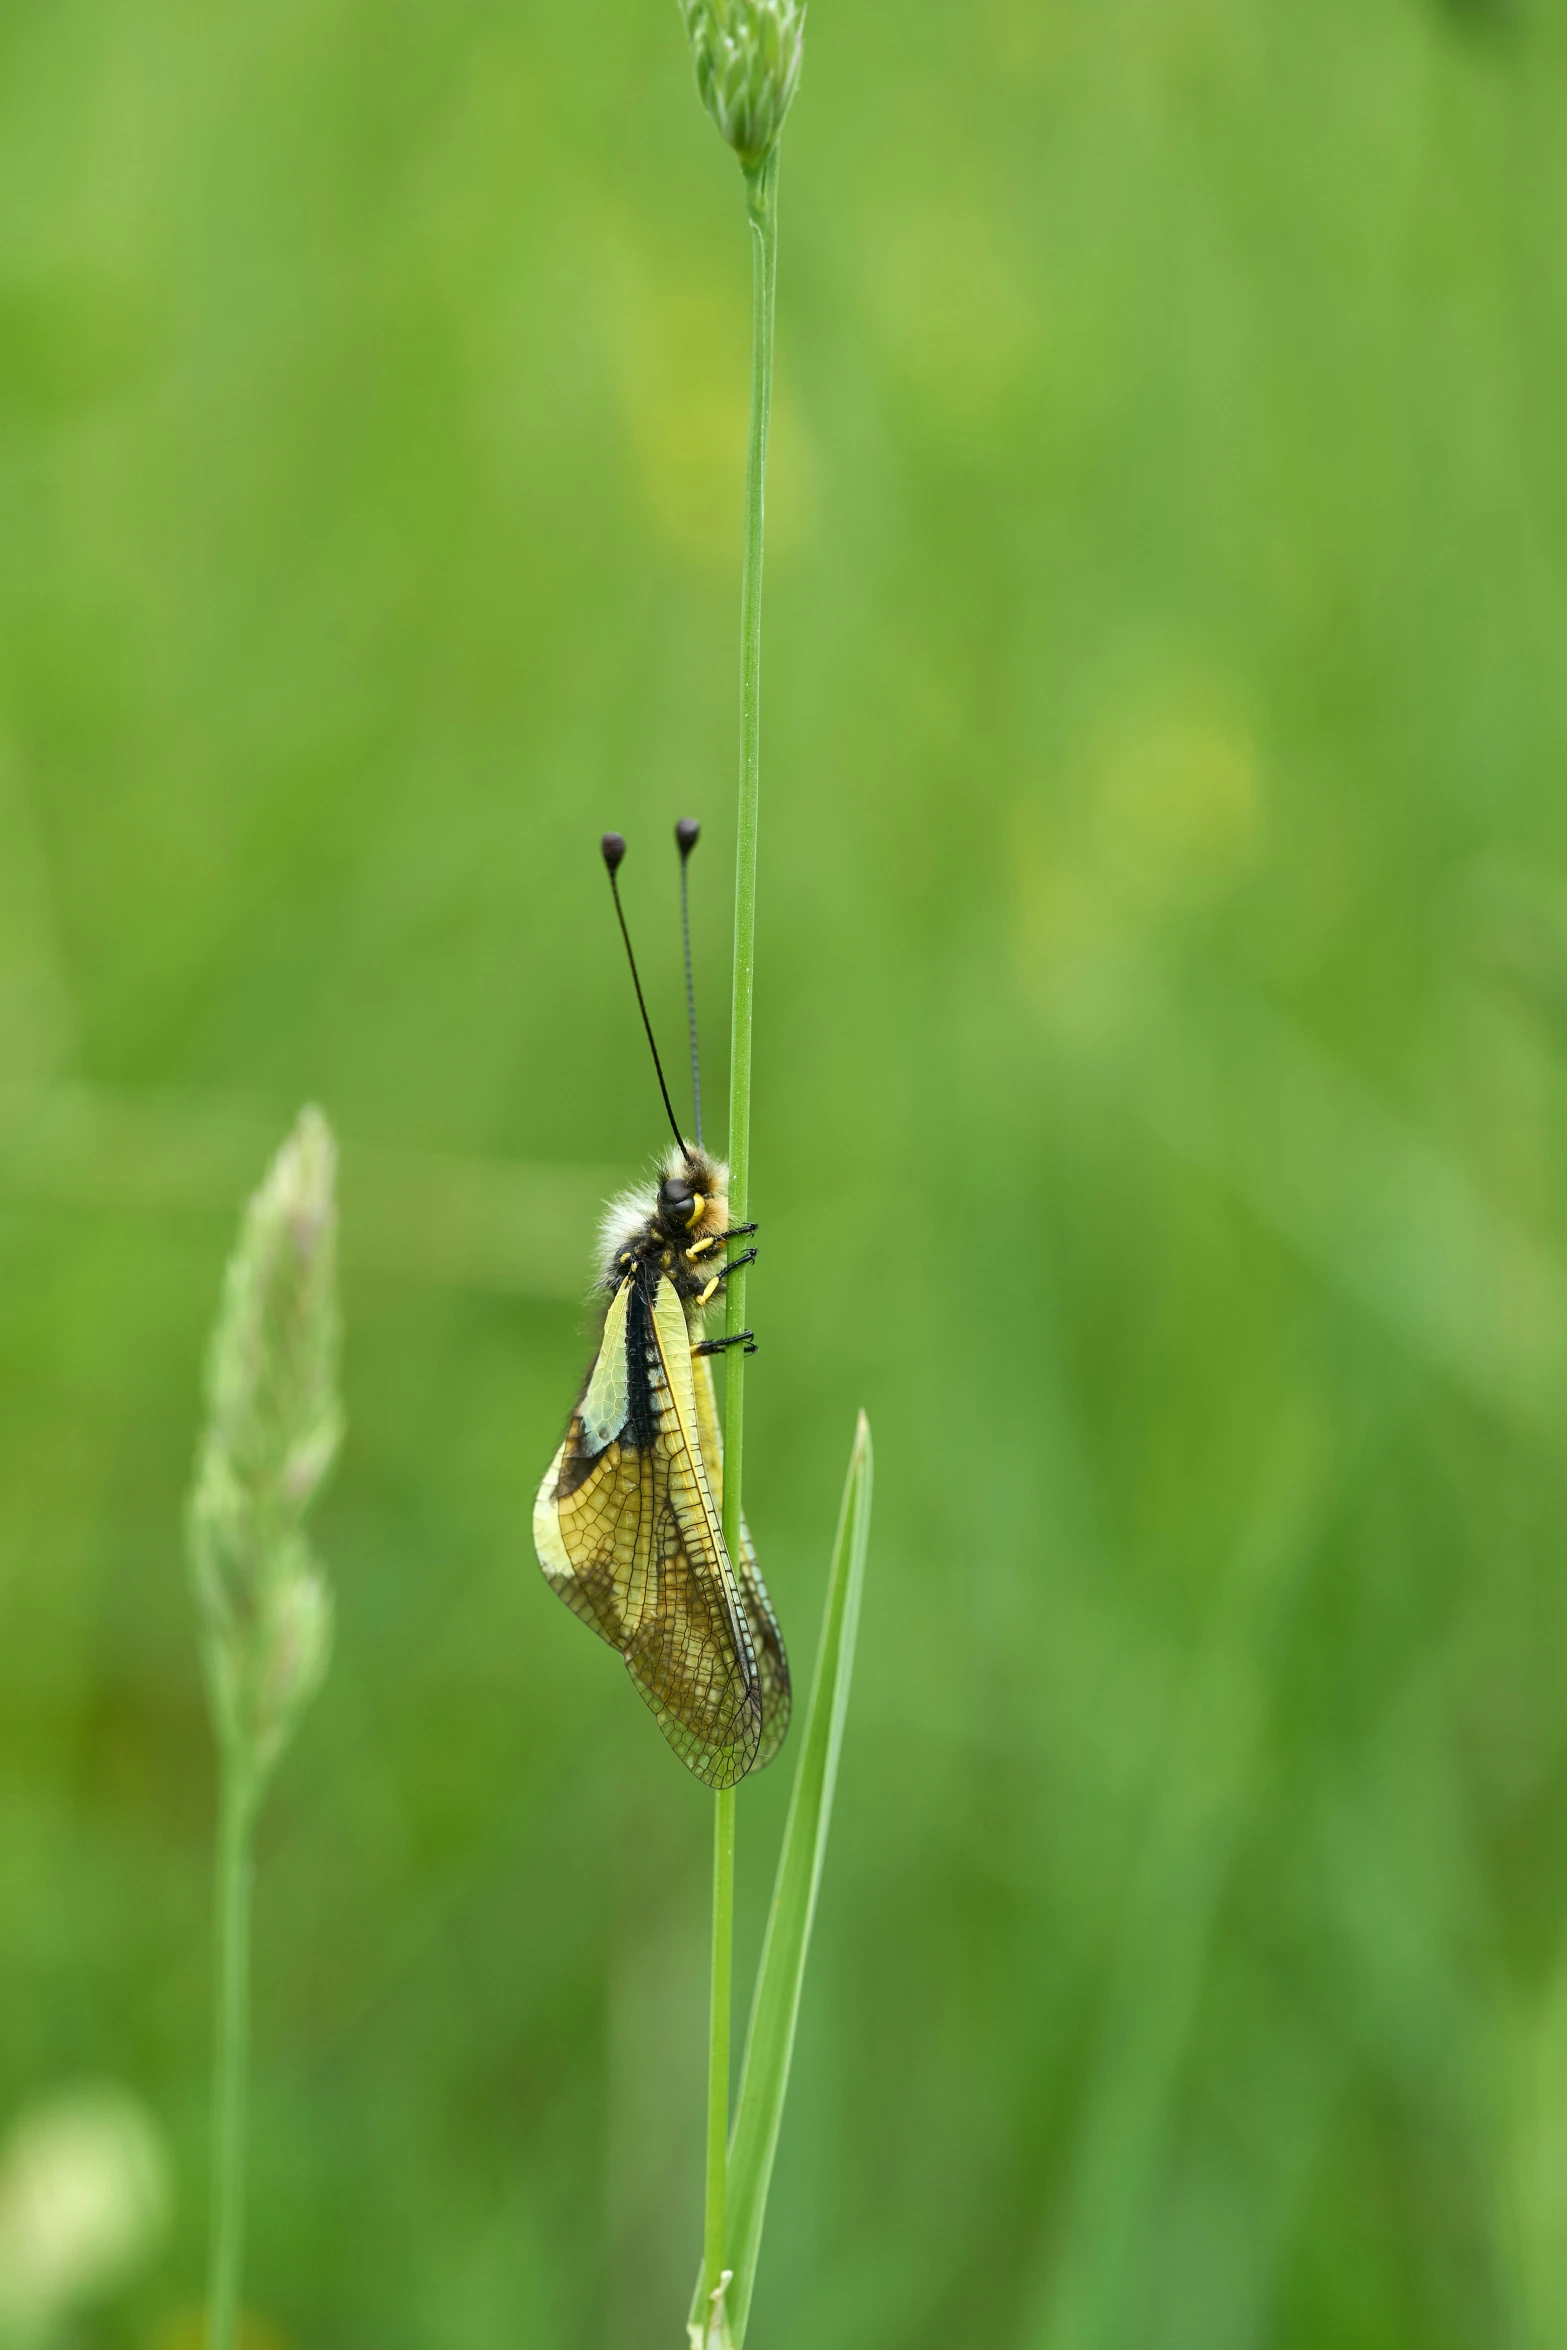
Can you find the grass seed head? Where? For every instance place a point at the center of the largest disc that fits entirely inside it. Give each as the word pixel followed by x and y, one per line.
pixel 747 56
pixel 272 1431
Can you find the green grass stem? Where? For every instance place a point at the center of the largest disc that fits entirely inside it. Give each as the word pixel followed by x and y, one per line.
pixel 231 2074
pixel 715 2218
pixel 762 207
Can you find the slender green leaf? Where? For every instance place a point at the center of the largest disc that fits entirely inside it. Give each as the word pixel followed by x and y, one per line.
pixel 769 2047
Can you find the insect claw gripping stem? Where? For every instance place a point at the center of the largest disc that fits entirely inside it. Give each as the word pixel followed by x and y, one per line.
pixel 716 1346
pixel 747 1256
pixel 739 1232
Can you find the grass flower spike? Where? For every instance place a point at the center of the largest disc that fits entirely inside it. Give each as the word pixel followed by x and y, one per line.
pixel 273 1426
pixel 747 56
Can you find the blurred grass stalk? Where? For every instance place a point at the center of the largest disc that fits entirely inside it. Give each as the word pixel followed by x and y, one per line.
pixel 272 1430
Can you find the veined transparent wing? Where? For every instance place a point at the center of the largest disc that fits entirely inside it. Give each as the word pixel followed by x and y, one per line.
pixel 628 1536
pixel 772 1662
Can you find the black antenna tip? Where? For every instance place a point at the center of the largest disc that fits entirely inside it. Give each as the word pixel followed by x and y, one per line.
pixel 687 833
pixel 613 848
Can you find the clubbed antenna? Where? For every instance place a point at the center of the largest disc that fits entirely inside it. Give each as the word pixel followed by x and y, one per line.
pixel 613 848
pixel 687 833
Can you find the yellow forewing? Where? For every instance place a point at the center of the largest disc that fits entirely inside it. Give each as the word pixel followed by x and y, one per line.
pixel 674 1347
pixel 607 1401
pixel 772 1664
pixel 628 1534
pixel 553 1555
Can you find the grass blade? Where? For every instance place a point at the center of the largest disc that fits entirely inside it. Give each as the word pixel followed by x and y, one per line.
pixel 775 2008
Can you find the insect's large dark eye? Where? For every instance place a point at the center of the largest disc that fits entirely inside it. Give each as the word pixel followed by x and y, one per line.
pixel 675 1192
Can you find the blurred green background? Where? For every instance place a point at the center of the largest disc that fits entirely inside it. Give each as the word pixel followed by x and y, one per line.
pixel 1161 1131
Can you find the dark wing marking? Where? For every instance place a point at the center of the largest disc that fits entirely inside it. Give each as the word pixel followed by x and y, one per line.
pixel 628 1536
pixel 772 1662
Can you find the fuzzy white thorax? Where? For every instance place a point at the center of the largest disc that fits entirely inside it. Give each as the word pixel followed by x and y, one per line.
pixel 624 1218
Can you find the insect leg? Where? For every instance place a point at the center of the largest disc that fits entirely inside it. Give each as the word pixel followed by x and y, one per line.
pixel 716 1346
pixel 722 1275
pixel 712 1240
